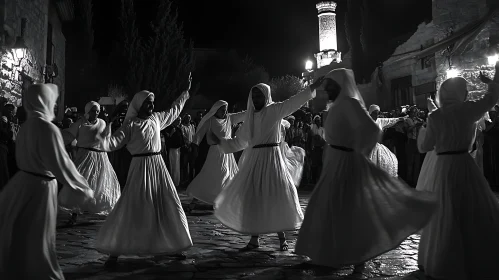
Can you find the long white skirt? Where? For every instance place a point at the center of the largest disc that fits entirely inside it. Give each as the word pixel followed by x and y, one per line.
pixel 217 171
pixel 358 211
pixel 424 179
pixel 384 159
pixel 102 179
pixel 174 165
pixel 262 197
pixel 148 218
pixel 461 241
pixel 28 214
pixel 295 159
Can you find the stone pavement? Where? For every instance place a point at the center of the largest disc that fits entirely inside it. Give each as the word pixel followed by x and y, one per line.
pixel 215 255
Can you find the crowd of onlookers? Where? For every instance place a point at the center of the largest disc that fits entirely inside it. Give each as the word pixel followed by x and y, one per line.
pixel 306 131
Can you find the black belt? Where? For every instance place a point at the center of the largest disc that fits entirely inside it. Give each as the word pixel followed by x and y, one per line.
pixel 266 145
pixel 147 154
pixel 46 177
pixel 91 149
pixel 341 148
pixel 452 153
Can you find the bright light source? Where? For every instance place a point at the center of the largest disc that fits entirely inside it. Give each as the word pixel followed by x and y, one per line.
pixel 308 65
pixel 19 53
pixel 452 73
pixel 493 59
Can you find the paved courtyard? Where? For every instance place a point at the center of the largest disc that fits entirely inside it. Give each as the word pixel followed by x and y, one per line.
pixel 215 255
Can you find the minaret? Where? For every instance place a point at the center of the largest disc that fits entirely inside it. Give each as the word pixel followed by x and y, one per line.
pixel 327 34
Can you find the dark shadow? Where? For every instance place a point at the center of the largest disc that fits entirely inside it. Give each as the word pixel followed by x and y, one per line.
pixel 63 226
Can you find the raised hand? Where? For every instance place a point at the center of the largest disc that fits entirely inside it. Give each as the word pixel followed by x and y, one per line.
pixel 317 83
pixel 484 79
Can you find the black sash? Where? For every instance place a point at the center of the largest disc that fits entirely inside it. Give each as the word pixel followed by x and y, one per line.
pixel 43 176
pixel 147 154
pixel 266 145
pixel 91 149
pixel 341 148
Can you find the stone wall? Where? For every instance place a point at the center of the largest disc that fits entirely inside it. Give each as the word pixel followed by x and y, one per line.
pixel 424 36
pixel 453 15
pixel 35 11
pixel 18 72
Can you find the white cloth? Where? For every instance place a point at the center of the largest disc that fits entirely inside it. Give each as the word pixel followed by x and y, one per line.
pixel 148 218
pixel 353 196
pixel 461 241
pixel 137 101
pixel 28 203
pixel 89 107
pixel 219 168
pixel 380 154
pixel 94 166
pixel 294 156
pixel 262 197
pixel 174 165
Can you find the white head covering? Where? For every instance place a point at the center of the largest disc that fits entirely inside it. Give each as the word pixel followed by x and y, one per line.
pixel 452 91
pixel 201 129
pixel 89 107
pixel 39 101
pixel 247 127
pixel 134 107
pixel 373 108
pixel 346 79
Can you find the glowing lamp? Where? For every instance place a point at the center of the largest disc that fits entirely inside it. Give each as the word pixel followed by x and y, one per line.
pixel 452 73
pixel 20 53
pixel 308 65
pixel 492 59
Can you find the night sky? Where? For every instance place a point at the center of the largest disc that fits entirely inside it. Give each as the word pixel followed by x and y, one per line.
pixel 278 34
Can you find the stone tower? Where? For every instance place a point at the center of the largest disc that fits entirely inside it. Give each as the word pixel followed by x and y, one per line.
pixel 327 34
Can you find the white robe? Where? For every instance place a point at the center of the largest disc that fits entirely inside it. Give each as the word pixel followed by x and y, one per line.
pixel 219 168
pixel 262 197
pixel 380 154
pixel 148 218
pixel 357 211
pixel 94 166
pixel 461 241
pixel 28 203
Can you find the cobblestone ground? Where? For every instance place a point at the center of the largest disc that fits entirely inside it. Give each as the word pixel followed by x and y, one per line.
pixel 215 255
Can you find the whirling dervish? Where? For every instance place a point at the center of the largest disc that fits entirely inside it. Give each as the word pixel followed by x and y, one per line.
pixel 460 242
pixel 28 203
pixel 380 154
pixel 219 168
pixel 353 196
pixel 262 197
pixel 148 218
pixel 93 163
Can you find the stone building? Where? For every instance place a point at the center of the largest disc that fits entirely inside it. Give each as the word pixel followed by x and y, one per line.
pixel 461 37
pixel 38 24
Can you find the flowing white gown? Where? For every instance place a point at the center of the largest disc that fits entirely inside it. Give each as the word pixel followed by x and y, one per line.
pixel 357 211
pixel 219 168
pixel 262 197
pixel 294 156
pixel 94 165
pixel 380 154
pixel 461 241
pixel 28 203
pixel 148 218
